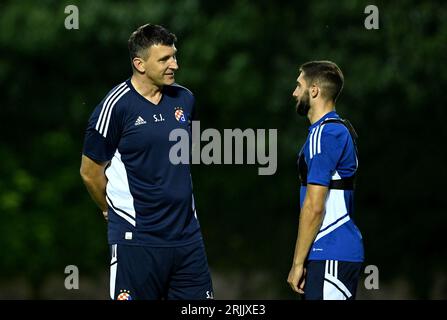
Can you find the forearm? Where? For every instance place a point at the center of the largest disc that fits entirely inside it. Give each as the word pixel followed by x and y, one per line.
pixel 97 189
pixel 309 225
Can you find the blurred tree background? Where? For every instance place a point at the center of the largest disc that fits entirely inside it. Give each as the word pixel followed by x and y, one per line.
pixel 241 59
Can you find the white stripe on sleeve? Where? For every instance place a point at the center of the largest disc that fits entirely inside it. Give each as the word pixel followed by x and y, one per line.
pixel 110 112
pixel 104 105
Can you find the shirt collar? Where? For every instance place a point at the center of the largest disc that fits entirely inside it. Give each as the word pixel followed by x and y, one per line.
pixel 331 114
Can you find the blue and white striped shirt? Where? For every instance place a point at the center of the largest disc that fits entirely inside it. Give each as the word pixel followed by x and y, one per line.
pixel 330 154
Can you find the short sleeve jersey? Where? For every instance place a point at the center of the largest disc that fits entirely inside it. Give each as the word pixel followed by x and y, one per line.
pixel 329 153
pixel 150 199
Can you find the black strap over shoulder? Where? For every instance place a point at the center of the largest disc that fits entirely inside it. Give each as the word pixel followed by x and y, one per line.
pixel 348 126
pixel 341 184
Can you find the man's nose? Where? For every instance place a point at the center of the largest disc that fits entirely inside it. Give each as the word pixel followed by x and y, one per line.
pixel 173 65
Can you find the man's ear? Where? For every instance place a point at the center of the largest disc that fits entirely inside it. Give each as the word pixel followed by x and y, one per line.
pixel 314 91
pixel 138 64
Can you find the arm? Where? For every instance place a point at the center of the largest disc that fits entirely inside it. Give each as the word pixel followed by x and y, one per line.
pixel 311 217
pixel 92 173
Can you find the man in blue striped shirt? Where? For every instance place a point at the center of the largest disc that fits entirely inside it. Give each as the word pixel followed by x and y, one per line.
pixel 329 249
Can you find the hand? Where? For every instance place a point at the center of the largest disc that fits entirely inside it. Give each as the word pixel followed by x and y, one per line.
pixel 106 215
pixel 296 279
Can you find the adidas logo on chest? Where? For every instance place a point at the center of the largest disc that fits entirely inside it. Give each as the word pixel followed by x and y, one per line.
pixel 140 121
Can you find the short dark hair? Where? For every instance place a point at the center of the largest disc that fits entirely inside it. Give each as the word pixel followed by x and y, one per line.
pixel 145 37
pixel 327 75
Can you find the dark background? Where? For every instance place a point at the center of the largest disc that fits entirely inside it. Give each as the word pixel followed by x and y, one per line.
pixel 241 59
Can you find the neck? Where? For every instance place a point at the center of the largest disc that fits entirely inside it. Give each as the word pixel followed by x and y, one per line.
pixel 318 110
pixel 146 88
